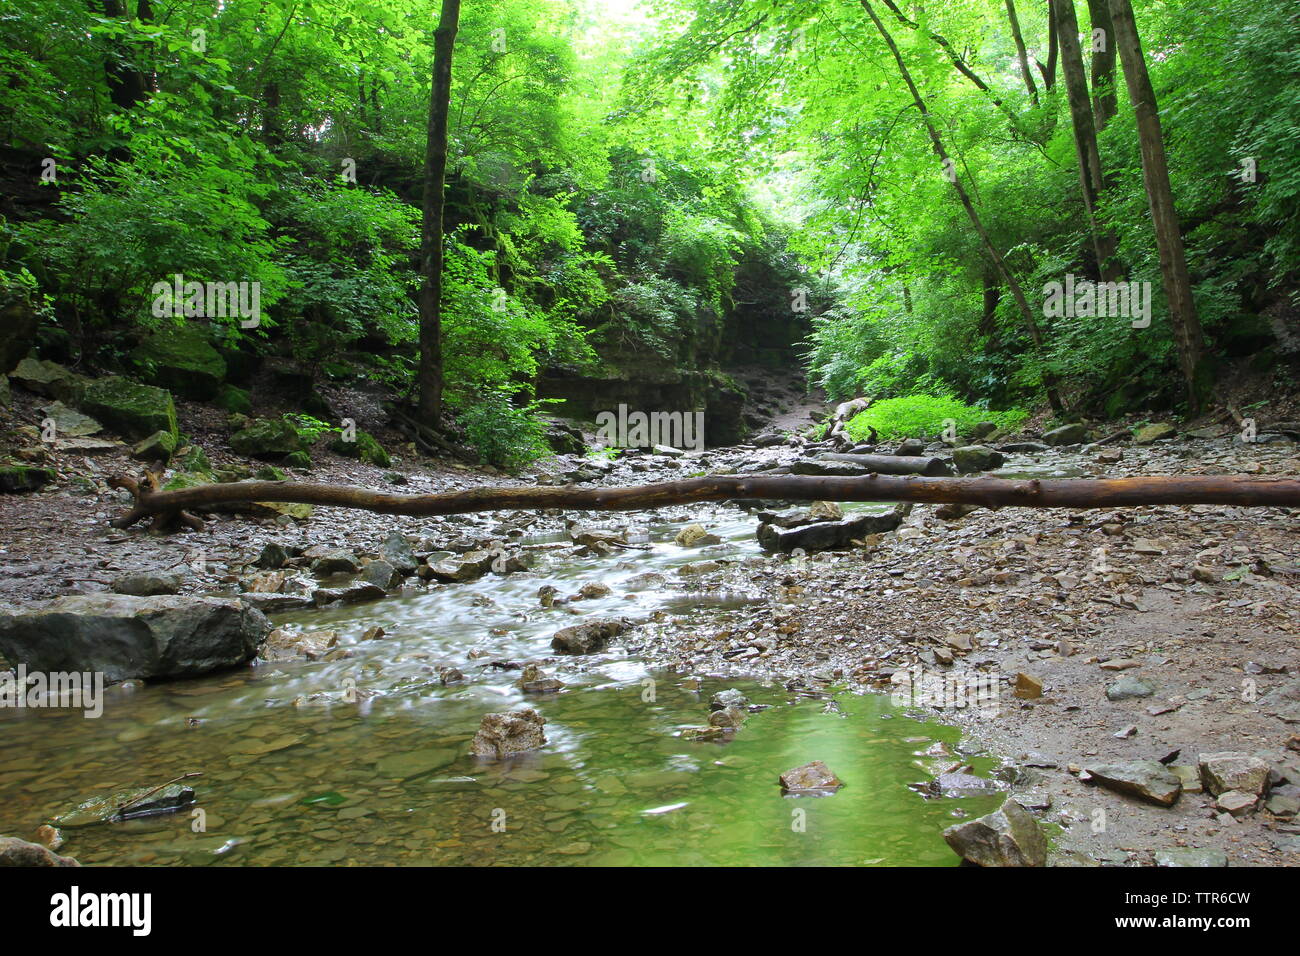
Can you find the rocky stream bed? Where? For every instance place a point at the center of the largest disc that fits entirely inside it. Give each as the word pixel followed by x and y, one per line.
pixel 1129 676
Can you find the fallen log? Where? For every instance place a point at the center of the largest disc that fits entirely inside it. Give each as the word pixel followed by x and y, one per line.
pixel 166 507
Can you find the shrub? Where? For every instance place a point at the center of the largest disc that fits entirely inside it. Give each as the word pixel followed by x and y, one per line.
pixel 917 416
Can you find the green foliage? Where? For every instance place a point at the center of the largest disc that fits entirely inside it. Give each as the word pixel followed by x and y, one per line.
pixel 925 416
pixel 505 435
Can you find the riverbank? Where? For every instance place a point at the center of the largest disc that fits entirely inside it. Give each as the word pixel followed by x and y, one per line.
pixel 1197 603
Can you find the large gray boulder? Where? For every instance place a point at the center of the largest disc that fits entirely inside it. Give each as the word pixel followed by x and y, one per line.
pixel 125 636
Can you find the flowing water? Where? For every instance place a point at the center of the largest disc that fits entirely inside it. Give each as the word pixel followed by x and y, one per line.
pixel 366 760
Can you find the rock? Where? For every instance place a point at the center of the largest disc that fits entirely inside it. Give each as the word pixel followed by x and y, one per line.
pixel 1284 801
pixel 69 423
pixel 729 718
pixel 728 698
pixel 267 582
pixel 1187 856
pixel 828 535
pixel 1028 687
pixel 1283 702
pixel 381 574
pixel 982 430
pixel 1009 836
pixel 1233 770
pixel 810 778
pixel 354 592
pixel 533 681
pixel 1074 434
pixel 1120 664
pixel 182 359
pixel 973 458
pixel 450 675
pixel 592 590
pixel 500 735
pixel 954 512
pixel 47 378
pixel 132 410
pixel 823 511
pixel 127 637
pixel 273 556
pixel 1127 688
pixel 397 552
pixel 366 448
pixel 564 439
pixel 157 447
pixel 16 852
pixel 268 438
pixel 234 399
pixel 694 536
pixel 512 562
pixel 283 644
pixel 1236 802
pixel 1147 779
pixel 464 567
pixel 16 479
pixel 6 396
pixel 148 583
pixel 1023 447
pixel 332 561
pixel 668 451
pixel 130 804
pixel 587 638
pixel 1154 433
pixel 1188 776
pixel 590 537
pixel 910 448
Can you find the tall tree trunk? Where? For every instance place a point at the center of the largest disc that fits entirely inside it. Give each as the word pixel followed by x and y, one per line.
pixel 1104 101
pixel 127 85
pixel 999 263
pixel 1021 54
pixel 1085 135
pixel 435 177
pixel 1049 69
pixel 1164 217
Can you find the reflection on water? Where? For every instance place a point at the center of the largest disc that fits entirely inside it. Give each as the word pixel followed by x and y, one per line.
pixel 365 760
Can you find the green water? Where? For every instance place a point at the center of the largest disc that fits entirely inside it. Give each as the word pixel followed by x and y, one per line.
pixel 365 761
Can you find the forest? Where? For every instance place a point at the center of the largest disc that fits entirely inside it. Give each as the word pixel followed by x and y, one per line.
pixel 941 359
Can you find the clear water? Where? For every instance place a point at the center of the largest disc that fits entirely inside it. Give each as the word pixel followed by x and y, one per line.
pixel 365 761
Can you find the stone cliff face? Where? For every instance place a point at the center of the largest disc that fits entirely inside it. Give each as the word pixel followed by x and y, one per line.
pixel 759 329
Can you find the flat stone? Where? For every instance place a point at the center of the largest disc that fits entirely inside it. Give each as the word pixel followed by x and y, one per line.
pixel 1127 688
pixel 503 734
pixel 1147 779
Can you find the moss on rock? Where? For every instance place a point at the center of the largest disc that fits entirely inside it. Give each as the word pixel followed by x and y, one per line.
pixel 182 359
pixel 129 408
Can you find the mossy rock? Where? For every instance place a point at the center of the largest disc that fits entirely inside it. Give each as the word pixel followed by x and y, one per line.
pixel 232 398
pixel 271 473
pixel 182 359
pixel 194 458
pixel 268 438
pixel 366 447
pixel 15 479
pixel 50 379
pixel 129 408
pixel 5 397
pixel 299 459
pixel 157 447
pixel 187 479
